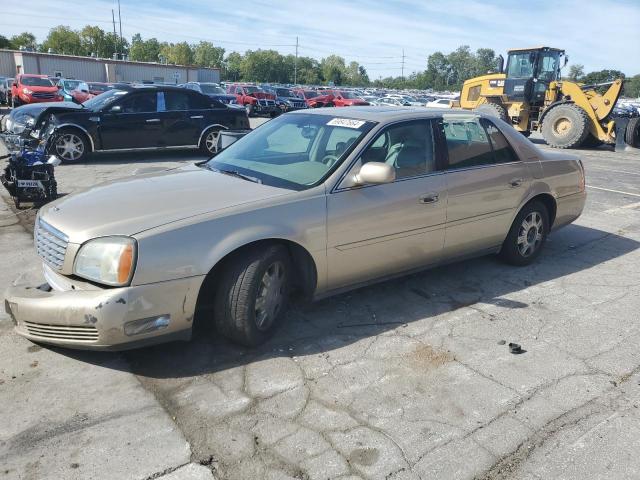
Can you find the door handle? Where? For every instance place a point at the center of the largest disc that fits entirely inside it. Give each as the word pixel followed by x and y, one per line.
pixel 197 116
pixel 515 182
pixel 152 120
pixel 429 198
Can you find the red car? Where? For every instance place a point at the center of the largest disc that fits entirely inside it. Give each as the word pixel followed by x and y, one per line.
pixel 254 99
pixel 314 99
pixel 28 88
pixel 345 99
pixel 96 88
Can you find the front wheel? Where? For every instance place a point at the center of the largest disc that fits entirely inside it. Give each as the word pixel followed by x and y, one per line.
pixel 209 143
pixel 71 146
pixel 253 295
pixel 527 235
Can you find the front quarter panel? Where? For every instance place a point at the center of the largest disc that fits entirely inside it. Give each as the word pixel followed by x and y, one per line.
pixel 194 246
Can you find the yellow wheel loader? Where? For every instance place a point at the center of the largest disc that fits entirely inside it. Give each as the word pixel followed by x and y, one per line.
pixel 531 95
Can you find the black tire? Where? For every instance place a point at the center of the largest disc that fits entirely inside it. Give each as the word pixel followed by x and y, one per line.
pixel 514 250
pixel 209 143
pixel 591 142
pixel 565 126
pixel 492 110
pixel 70 135
pixel 236 313
pixel 632 133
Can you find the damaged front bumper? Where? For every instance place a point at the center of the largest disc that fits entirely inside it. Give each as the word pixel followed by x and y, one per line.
pixel 80 315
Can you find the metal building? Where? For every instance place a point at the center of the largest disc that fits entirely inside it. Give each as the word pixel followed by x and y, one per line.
pixel 100 69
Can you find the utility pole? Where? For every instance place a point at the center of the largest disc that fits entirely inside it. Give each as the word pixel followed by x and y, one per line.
pixel 295 65
pixel 115 35
pixel 120 21
pixel 403 57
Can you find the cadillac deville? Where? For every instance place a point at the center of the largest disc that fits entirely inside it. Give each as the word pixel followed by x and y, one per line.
pixel 314 202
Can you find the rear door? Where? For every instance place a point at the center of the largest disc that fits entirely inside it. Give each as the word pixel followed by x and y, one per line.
pixel 136 125
pixel 181 125
pixel 486 182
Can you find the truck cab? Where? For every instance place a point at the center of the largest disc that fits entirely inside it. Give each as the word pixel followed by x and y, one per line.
pixel 529 72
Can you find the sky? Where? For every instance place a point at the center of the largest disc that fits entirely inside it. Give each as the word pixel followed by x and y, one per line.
pixel 598 34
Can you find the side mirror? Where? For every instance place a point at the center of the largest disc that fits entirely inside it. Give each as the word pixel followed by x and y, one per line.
pixel 375 173
pixel 116 109
pixel 566 60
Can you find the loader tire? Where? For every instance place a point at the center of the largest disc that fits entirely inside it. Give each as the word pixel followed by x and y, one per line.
pixel 565 126
pixel 492 110
pixel 591 142
pixel 632 134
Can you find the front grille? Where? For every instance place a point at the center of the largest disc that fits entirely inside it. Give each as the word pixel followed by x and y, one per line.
pixel 79 333
pixel 264 101
pixel 51 244
pixel 43 95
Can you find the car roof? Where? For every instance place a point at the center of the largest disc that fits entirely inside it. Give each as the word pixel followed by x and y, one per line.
pixel 383 114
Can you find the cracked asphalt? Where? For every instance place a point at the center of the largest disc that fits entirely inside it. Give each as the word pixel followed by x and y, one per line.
pixel 407 379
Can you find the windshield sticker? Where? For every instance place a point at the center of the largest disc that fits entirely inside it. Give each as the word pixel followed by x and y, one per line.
pixel 346 122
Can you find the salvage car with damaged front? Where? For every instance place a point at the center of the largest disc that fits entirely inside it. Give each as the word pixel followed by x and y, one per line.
pixel 136 118
pixel 311 202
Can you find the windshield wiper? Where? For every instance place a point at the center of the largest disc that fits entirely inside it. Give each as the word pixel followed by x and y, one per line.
pixel 235 173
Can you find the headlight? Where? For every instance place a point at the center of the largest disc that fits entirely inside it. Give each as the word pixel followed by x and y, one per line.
pixel 108 260
pixel 26 91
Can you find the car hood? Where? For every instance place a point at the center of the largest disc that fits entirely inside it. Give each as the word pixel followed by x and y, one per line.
pixel 266 95
pixel 132 205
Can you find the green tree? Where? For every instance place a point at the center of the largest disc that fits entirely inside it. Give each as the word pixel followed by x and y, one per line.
pixel 25 40
pixel 92 40
pixel 180 54
pixel 632 87
pixel 233 67
pixel 144 50
pixel 485 61
pixel 206 54
pixel 602 76
pixel 62 39
pixel 333 69
pixel 576 72
pixel 4 42
pixel 265 66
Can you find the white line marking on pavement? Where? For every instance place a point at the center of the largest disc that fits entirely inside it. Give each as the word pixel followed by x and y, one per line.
pixel 626 207
pixel 614 191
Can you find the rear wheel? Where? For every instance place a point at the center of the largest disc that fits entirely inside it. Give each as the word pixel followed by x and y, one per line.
pixel 632 134
pixel 527 235
pixel 71 146
pixel 493 110
pixel 209 142
pixel 252 295
pixel 565 126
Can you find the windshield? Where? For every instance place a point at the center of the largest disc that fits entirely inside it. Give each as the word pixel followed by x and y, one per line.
pixel 350 95
pixel 36 82
pixel 211 89
pixel 310 93
pixel 71 84
pixel 100 101
pixel 293 151
pixel 252 89
pixel 97 87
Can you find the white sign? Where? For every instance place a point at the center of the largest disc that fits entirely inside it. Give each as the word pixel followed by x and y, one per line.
pixel 346 122
pixel 30 184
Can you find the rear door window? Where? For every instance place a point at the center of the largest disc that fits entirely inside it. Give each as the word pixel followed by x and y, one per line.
pixel 467 142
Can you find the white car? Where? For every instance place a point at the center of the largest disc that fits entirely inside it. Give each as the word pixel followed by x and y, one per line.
pixel 440 103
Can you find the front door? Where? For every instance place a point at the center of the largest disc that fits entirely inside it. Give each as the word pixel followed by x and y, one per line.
pixel 485 181
pixel 380 230
pixel 135 125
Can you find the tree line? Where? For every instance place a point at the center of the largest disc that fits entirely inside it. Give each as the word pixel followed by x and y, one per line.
pixel 443 71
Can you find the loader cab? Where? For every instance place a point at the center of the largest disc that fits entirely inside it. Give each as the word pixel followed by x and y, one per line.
pixel 529 72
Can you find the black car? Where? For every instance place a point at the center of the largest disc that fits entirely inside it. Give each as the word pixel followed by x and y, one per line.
pixel 138 117
pixel 286 99
pixel 212 90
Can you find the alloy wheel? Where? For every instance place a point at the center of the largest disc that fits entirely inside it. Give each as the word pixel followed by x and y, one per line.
pixel 530 234
pixel 211 141
pixel 69 147
pixel 271 295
